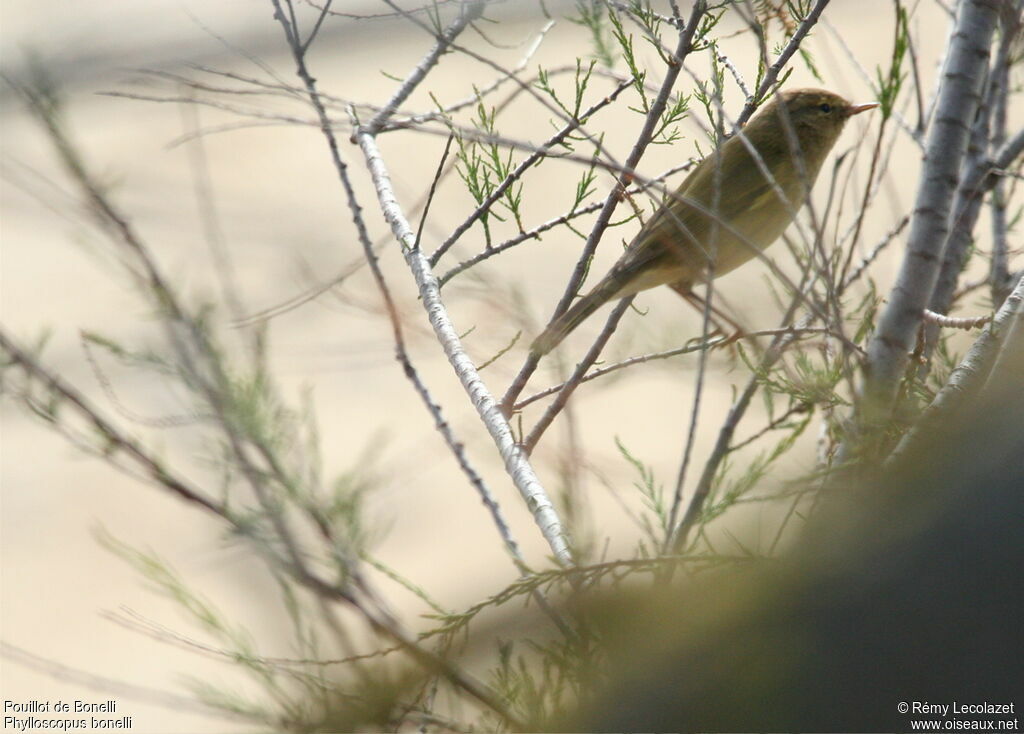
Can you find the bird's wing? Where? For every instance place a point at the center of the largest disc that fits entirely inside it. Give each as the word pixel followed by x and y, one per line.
pixel 682 222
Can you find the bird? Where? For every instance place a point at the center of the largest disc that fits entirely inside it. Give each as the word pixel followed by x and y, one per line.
pixel 726 211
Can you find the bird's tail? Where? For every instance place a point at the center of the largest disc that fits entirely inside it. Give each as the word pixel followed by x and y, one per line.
pixel 605 291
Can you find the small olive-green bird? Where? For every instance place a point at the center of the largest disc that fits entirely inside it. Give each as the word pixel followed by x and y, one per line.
pixel 680 244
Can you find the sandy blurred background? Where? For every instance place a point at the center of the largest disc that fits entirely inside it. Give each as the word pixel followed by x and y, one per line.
pixel 285 224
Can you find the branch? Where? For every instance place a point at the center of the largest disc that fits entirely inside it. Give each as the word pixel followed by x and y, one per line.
pixel 946 146
pixel 469 13
pixel 457 448
pixel 1000 279
pixel 481 93
pixel 58 671
pixel 683 48
pixel 570 385
pixel 514 176
pixel 701 345
pixel 199 359
pixel 516 462
pixel 971 374
pixel 786 334
pixel 979 179
pixel 941 321
pixel 551 223
pixel 787 53
pixel 115 440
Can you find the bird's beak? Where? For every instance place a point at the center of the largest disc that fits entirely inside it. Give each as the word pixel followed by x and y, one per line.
pixel 856 109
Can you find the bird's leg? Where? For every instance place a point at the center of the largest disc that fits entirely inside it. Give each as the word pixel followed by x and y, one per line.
pixel 717 315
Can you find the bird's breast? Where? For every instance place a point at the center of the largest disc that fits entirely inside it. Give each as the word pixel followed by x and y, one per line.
pixel 752 230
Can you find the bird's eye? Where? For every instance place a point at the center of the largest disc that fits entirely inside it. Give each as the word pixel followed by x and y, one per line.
pixel 826 107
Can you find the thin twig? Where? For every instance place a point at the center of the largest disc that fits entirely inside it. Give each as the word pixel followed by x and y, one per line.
pixel 525 165
pixel 702 361
pixel 683 48
pixel 866 261
pixel 485 90
pixel 770 426
pixel 116 441
pixel 739 407
pixel 772 73
pixel 702 345
pixel 951 323
pixel 551 223
pixel 54 670
pixel 570 385
pixel 468 13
